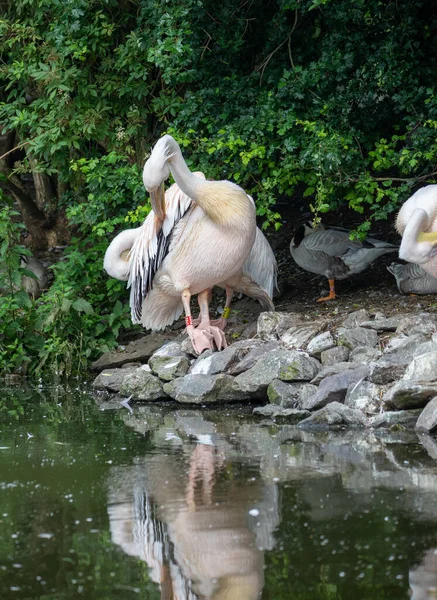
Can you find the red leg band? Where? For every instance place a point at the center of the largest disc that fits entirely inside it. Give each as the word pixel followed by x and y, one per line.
pixel 188 320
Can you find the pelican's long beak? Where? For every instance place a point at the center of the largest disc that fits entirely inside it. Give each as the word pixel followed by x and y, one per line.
pixel 430 237
pixel 157 200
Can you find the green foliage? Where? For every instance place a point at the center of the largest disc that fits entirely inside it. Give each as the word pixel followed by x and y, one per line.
pixel 75 321
pixel 19 342
pixel 75 318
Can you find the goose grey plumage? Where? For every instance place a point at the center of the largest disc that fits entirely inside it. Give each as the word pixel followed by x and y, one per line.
pixel 32 285
pixel 329 251
pixel 412 279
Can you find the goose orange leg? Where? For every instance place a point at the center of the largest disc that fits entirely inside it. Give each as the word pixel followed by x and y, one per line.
pixel 331 295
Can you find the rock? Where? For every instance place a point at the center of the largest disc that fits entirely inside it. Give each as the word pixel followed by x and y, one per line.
pixel 293 330
pixel 364 396
pixel 334 388
pixel 142 385
pixel 334 415
pixel 298 336
pixel 332 370
pixel 284 394
pixel 187 347
pixel 405 418
pixel 322 342
pixel 204 389
pixel 202 357
pixel 137 351
pixel 112 379
pixel 427 420
pixel 397 356
pixel 409 394
pixel 170 349
pixel 253 355
pixel 386 371
pixel 334 355
pixel 271 324
pixel 352 338
pixel 169 367
pixel 354 319
pixel 383 324
pixel 421 324
pixel 301 368
pixel 426 347
pixel 423 368
pixel 429 444
pixel 218 362
pixel 287 365
pixel 278 413
pixel 405 344
pixel 364 354
pixel 307 391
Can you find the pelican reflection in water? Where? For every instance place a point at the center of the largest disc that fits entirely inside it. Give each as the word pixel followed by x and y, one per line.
pixel 192 525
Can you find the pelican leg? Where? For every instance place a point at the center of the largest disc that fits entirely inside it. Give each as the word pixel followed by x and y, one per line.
pixel 205 324
pixel 196 322
pixel 223 321
pixel 201 340
pixel 331 295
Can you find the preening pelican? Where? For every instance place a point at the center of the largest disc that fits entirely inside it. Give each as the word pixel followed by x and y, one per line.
pixel 198 235
pixel 256 279
pixel 417 223
pixel 329 251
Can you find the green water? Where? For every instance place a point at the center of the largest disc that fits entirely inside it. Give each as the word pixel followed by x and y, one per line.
pixel 97 501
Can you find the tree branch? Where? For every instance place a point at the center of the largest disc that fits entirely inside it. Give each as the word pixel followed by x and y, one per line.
pixel 262 66
pixel 13 149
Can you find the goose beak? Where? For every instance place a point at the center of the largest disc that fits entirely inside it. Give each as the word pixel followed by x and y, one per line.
pixel 157 200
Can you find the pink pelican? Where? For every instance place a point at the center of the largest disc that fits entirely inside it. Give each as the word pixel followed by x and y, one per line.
pixel 200 234
pixel 417 223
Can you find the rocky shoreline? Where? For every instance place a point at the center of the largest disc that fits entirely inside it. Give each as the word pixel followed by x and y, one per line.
pixel 364 371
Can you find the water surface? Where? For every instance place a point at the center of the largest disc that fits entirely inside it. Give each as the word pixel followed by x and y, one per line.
pixel 99 501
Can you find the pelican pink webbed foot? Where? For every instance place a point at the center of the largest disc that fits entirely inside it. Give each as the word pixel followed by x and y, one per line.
pixel 205 336
pixel 223 321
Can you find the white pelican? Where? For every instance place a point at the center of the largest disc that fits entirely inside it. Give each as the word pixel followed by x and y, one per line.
pixel 190 242
pixel 417 223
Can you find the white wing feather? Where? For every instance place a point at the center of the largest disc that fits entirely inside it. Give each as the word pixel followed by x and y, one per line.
pixel 261 265
pixel 151 247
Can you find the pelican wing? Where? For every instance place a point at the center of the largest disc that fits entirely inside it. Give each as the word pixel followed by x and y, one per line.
pixel 151 247
pixel 261 265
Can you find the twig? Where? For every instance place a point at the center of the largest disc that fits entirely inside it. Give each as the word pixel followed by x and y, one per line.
pixel 262 66
pixel 206 46
pixel 421 178
pixel 13 149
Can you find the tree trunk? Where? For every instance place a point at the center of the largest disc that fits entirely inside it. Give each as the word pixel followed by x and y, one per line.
pixel 45 224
